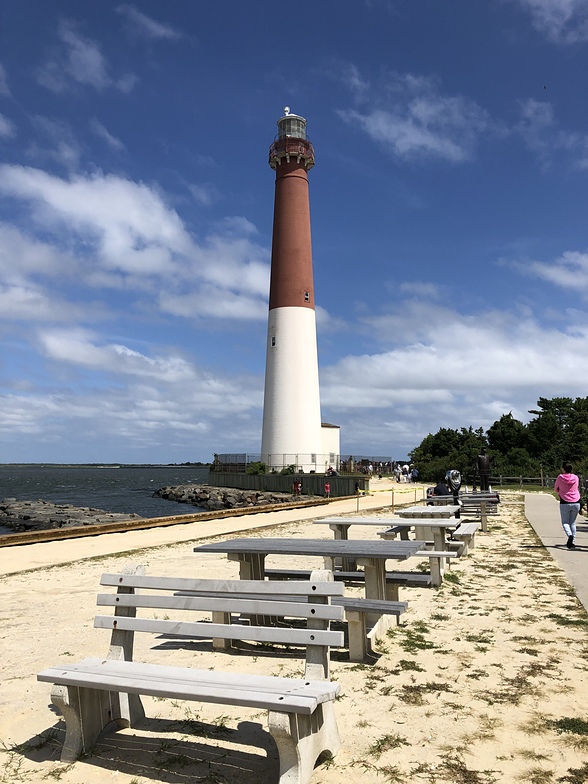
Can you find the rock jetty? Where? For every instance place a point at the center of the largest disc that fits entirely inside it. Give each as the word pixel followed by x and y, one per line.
pixel 216 498
pixel 19 516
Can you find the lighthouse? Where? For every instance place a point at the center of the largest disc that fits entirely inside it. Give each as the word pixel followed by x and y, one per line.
pixel 291 432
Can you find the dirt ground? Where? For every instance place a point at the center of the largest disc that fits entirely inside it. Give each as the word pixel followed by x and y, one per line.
pixel 485 680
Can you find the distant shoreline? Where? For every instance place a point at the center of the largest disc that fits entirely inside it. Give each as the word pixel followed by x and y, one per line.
pixel 105 465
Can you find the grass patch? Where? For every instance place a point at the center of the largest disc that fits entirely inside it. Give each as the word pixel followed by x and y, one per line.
pixel 413 694
pixel 565 620
pixel 537 776
pixel 576 775
pixel 386 743
pixel 439 616
pixel 407 665
pixel 570 724
pixel 412 638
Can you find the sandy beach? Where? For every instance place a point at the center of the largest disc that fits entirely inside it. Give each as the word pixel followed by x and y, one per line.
pixel 482 681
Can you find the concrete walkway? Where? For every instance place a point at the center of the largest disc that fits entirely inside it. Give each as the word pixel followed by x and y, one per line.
pixel 542 511
pixel 21 558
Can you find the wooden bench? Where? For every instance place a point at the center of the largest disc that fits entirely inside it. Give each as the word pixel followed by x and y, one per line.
pixel 441 500
pixel 465 533
pixel 480 504
pixel 394 580
pixel 438 559
pixel 357 609
pixel 98 691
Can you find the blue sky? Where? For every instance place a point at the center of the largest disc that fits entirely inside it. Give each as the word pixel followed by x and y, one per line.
pixel 448 207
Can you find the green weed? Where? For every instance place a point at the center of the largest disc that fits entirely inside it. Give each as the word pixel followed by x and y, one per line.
pixel 387 742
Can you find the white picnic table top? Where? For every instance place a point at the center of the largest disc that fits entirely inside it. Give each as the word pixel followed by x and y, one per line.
pixel 330 548
pixel 371 554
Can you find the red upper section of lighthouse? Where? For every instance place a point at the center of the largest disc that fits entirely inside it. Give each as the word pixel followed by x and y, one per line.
pixel 291 156
pixel 291 147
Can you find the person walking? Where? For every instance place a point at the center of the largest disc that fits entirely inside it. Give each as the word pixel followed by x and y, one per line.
pixel 567 486
pixel 327 489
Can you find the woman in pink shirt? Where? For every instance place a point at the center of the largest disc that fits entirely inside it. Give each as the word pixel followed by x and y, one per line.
pixel 567 486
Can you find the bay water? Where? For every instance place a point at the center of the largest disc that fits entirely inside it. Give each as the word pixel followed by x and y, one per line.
pixel 127 488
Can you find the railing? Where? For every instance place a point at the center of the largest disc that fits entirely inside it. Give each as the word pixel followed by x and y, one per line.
pixel 285 146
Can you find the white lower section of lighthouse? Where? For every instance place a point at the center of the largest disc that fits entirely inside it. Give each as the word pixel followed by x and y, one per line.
pixel 291 432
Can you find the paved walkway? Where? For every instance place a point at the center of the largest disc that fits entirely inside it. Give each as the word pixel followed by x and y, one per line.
pixel 38 556
pixel 542 511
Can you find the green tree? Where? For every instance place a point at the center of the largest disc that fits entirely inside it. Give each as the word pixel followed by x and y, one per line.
pixel 507 433
pixel 448 449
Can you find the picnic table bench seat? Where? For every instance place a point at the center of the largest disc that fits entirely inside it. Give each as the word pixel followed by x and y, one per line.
pixel 394 580
pixel 96 692
pixel 480 505
pixel 441 500
pixel 465 534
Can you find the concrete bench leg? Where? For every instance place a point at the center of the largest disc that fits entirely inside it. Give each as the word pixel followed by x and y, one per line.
pixel 436 572
pixel 87 712
pixel 302 740
pixel 392 591
pixel 220 643
pixel 358 641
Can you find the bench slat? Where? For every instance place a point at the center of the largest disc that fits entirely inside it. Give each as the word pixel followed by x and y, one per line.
pixel 302 588
pixel 286 636
pixel 373 605
pixel 281 694
pixel 251 605
pixel 404 578
pixel 466 529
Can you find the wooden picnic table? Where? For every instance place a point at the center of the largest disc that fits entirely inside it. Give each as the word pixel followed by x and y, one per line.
pixel 251 553
pixel 483 502
pixel 341 525
pixel 422 510
pixel 424 528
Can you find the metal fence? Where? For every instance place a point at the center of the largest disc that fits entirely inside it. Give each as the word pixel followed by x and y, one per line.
pixel 312 484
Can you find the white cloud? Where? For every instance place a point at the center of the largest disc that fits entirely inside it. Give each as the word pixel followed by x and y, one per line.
pixel 80 347
pixel 569 271
pixel 451 355
pixel 148 27
pixel 541 133
pixel 561 21
pixel 130 226
pixel 106 136
pixel 28 303
pixel 213 302
pixel 411 118
pixel 22 257
pixel 59 143
pixel 163 405
pixel 80 60
pixel 458 370
pixel 203 194
pixel 123 235
pixel 7 127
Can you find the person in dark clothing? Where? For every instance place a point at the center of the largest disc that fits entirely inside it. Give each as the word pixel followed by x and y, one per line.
pixel 483 466
pixel 441 489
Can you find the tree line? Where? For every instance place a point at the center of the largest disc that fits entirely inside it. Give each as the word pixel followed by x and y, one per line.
pixel 557 432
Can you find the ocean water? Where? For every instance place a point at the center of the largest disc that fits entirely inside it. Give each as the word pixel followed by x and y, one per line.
pixel 114 489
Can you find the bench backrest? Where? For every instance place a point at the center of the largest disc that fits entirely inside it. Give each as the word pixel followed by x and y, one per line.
pixel 263 602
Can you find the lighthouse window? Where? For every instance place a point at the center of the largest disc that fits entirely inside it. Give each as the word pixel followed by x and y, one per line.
pixel 273 342
pixel 293 126
pixel 307 296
